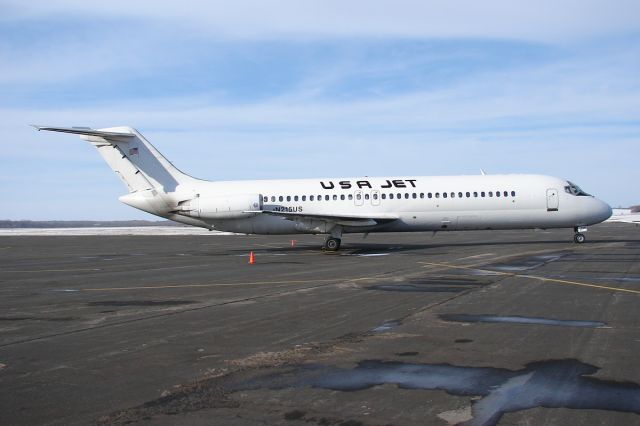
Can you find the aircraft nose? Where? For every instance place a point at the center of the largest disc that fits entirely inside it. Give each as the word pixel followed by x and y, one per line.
pixel 603 211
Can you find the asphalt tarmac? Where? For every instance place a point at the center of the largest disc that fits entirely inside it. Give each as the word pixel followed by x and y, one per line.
pixel 474 328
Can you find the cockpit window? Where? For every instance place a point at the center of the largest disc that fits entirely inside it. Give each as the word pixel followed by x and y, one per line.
pixel 574 189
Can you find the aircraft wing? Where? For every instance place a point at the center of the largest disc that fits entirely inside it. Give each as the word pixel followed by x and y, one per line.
pixel 344 220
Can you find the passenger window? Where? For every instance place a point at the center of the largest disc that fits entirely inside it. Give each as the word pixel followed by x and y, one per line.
pixel 490 194
pixel 265 199
pixel 459 194
pixel 295 198
pixel 358 196
pixel 304 198
pixel 475 194
pixel 429 195
pixel 453 195
pixel 414 195
pixel 366 196
pixel 444 195
pixel 384 196
pixel 391 196
pixel 311 198
pixel 342 197
pixel 406 195
pixel 281 198
pixel 422 195
pixel 497 193
pixel 288 197
pixel 375 196
pixel 335 197
pixel 273 198
pixel 482 194
pixel 513 193
pixel 351 196
pixel 326 197
pixel 399 195
pixel 437 195
pixel 468 194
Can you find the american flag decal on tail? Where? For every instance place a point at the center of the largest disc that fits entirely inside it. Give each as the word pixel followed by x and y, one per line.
pixel 133 151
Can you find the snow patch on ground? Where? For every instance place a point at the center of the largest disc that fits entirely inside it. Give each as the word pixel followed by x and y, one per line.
pixel 133 230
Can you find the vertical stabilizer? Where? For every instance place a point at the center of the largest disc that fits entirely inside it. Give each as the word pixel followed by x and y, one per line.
pixel 138 163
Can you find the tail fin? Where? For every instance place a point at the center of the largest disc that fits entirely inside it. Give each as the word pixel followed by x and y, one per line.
pixel 140 166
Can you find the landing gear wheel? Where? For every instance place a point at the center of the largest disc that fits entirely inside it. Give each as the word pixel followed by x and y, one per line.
pixel 332 244
pixel 579 238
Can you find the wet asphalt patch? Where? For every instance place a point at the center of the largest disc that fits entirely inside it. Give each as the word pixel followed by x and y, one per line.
pixel 410 353
pixel 499 390
pixel 526 264
pixel 431 285
pixel 410 288
pixel 515 319
pixel 386 326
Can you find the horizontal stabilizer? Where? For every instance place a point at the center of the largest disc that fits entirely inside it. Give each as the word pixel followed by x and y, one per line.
pixel 87 131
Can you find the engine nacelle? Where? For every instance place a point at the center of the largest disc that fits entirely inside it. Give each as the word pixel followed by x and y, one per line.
pixel 233 206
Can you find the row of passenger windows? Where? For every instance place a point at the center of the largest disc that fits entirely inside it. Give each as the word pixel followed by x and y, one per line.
pixel 390 196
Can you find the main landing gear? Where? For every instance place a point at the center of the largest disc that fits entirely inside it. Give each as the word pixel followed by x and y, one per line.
pixel 332 244
pixel 579 237
pixel 333 241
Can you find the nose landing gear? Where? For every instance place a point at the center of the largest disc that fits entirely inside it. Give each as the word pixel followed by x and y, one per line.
pixel 579 237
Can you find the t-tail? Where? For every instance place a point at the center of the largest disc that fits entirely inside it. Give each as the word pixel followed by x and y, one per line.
pixel 148 175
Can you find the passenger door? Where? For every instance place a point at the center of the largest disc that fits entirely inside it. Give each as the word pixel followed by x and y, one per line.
pixel 552 200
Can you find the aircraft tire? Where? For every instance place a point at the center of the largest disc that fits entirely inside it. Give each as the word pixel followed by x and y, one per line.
pixel 579 238
pixel 332 244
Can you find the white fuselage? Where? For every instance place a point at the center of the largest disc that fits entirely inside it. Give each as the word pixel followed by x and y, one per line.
pixel 422 203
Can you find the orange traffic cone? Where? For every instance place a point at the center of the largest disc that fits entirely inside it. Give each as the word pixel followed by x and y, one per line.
pixel 252 258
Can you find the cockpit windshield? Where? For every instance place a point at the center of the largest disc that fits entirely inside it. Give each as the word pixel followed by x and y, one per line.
pixel 574 189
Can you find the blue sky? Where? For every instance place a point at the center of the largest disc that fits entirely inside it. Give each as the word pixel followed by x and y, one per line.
pixel 279 89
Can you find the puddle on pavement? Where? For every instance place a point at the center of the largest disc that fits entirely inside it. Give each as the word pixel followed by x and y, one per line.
pixel 526 264
pixel 483 272
pixel 387 326
pixel 430 285
pixel 515 319
pixel 447 281
pixel 141 303
pixel 408 288
pixel 498 390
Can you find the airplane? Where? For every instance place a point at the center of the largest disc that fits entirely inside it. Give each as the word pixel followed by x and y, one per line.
pixel 337 206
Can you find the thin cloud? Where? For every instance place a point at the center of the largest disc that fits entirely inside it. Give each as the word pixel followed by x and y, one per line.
pixel 545 20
